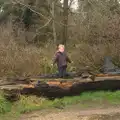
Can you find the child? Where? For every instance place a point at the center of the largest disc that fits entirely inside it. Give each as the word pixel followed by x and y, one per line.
pixel 61 59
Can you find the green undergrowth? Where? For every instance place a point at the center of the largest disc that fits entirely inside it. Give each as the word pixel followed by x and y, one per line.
pixel 5 105
pixel 31 103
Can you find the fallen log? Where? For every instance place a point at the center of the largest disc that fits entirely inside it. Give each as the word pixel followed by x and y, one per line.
pixel 14 81
pixel 67 88
pixel 60 87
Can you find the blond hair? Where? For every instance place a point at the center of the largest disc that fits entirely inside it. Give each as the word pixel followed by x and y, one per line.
pixel 61 45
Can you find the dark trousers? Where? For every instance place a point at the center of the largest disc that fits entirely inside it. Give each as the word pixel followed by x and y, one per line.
pixel 62 71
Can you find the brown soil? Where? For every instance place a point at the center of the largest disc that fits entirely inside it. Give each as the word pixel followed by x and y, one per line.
pixel 94 114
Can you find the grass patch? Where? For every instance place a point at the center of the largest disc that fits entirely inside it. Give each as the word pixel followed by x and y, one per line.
pixel 5 106
pixel 30 103
pixel 27 104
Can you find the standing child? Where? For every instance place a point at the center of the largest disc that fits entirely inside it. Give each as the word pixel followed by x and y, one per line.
pixel 61 59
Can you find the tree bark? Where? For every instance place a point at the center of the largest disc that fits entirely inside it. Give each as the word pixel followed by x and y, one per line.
pixel 65 22
pixel 53 23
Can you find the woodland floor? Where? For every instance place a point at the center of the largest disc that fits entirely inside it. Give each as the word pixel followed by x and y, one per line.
pixel 75 113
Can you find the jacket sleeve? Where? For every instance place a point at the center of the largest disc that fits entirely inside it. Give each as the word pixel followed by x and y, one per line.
pixel 55 58
pixel 68 59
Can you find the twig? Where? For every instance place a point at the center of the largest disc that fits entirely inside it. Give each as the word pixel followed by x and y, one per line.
pixel 71 1
pixel 46 24
pixel 29 7
pixel 40 14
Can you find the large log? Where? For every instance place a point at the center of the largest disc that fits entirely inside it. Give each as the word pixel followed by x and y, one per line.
pixel 59 87
pixel 67 88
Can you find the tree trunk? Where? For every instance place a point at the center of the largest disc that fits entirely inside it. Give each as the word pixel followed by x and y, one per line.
pixel 53 23
pixel 65 22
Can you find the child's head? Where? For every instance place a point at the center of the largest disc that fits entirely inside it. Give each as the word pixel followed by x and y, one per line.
pixel 61 48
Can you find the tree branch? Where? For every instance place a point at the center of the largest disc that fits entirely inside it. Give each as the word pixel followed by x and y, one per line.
pixel 46 24
pixel 29 7
pixel 71 1
pixel 38 13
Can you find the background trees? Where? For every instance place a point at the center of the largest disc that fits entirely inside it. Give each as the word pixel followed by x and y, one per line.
pixel 89 28
pixel 88 21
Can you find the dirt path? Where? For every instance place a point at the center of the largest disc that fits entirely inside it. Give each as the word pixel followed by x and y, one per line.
pixel 94 114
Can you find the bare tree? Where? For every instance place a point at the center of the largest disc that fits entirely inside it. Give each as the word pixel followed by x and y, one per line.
pixel 53 23
pixel 65 21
